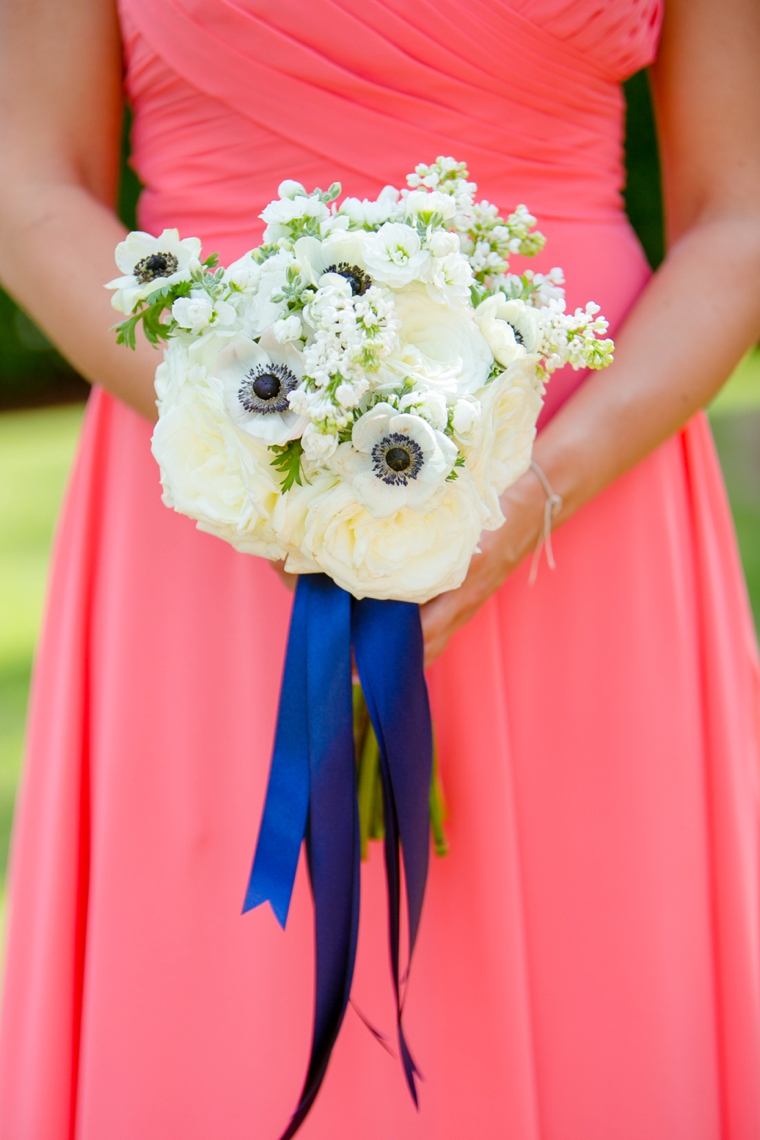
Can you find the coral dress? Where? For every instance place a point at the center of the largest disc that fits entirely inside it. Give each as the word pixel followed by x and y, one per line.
pixel 589 959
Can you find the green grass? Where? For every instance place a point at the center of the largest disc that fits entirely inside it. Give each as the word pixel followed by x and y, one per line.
pixel 36 448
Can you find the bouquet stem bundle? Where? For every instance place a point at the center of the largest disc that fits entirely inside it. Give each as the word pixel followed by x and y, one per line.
pixel 370 786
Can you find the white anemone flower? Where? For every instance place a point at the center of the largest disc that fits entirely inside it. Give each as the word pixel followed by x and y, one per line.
pixel 149 263
pixel 395 460
pixel 257 380
pixel 509 326
pixel 341 254
pixel 394 255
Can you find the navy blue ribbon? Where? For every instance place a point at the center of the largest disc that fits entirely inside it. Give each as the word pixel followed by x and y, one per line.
pixel 312 791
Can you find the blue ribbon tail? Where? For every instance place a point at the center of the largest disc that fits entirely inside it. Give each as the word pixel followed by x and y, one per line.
pixel 389 651
pixel 312 791
pixel 287 800
pixel 333 829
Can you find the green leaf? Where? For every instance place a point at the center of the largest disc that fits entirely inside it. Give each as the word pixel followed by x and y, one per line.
pixel 287 462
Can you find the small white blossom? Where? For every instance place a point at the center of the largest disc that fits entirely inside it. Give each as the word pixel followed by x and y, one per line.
pixel 394 255
pixel 288 328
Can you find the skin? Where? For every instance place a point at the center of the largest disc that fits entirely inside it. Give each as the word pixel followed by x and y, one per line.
pixel 60 119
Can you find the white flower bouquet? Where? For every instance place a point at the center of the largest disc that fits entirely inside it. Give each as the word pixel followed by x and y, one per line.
pixel 354 394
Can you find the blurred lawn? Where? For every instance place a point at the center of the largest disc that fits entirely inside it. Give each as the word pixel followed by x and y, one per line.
pixel 36 448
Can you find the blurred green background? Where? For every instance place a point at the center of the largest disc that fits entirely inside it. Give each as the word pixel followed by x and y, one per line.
pixel 41 409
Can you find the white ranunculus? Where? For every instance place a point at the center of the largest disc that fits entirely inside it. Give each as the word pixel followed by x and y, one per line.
pixel 409 556
pixel 257 380
pixel 149 263
pixel 509 326
pixel 440 347
pixel 214 473
pixel 422 205
pixel 394 255
pixel 395 460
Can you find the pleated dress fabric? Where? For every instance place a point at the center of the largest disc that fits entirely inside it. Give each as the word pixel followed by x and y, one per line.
pixel 588 963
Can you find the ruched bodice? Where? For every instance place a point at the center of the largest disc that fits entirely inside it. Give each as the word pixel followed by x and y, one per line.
pixel 229 98
pixel 229 95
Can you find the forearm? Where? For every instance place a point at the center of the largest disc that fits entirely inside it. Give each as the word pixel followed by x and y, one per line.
pixel 691 325
pixel 56 253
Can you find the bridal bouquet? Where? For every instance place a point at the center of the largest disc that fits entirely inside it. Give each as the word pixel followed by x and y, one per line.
pixel 353 396
pixel 355 393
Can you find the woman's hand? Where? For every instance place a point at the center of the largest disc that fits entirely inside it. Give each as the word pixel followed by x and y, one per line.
pixel 501 551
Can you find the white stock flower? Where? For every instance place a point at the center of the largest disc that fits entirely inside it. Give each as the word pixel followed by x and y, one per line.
pixel 442 242
pixel 283 212
pixel 193 312
pixel 214 473
pixel 289 188
pixel 450 279
pixel 420 204
pixel 394 255
pixel 257 380
pixel 288 328
pixel 370 215
pixel 509 326
pixel 440 347
pixel 407 555
pixel 243 274
pixel 258 311
pixel 197 312
pixel 149 263
pixel 431 405
pixel 318 446
pixel 395 460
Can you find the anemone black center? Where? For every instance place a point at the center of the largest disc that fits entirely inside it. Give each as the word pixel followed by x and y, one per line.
pixel 356 277
pixel 518 335
pixel 265 389
pixel 398 458
pixel 267 386
pixel 155 265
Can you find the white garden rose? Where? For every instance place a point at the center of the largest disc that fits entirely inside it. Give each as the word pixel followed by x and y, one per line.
pixel 257 380
pixel 510 327
pixel 498 447
pixel 409 556
pixel 394 255
pixel 395 460
pixel 214 473
pixel 149 263
pixel 440 347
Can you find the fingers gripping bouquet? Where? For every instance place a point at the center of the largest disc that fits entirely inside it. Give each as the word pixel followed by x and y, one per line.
pixel 354 394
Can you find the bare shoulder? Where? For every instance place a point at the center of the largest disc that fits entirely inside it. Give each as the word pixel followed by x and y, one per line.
pixel 706 84
pixel 61 86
